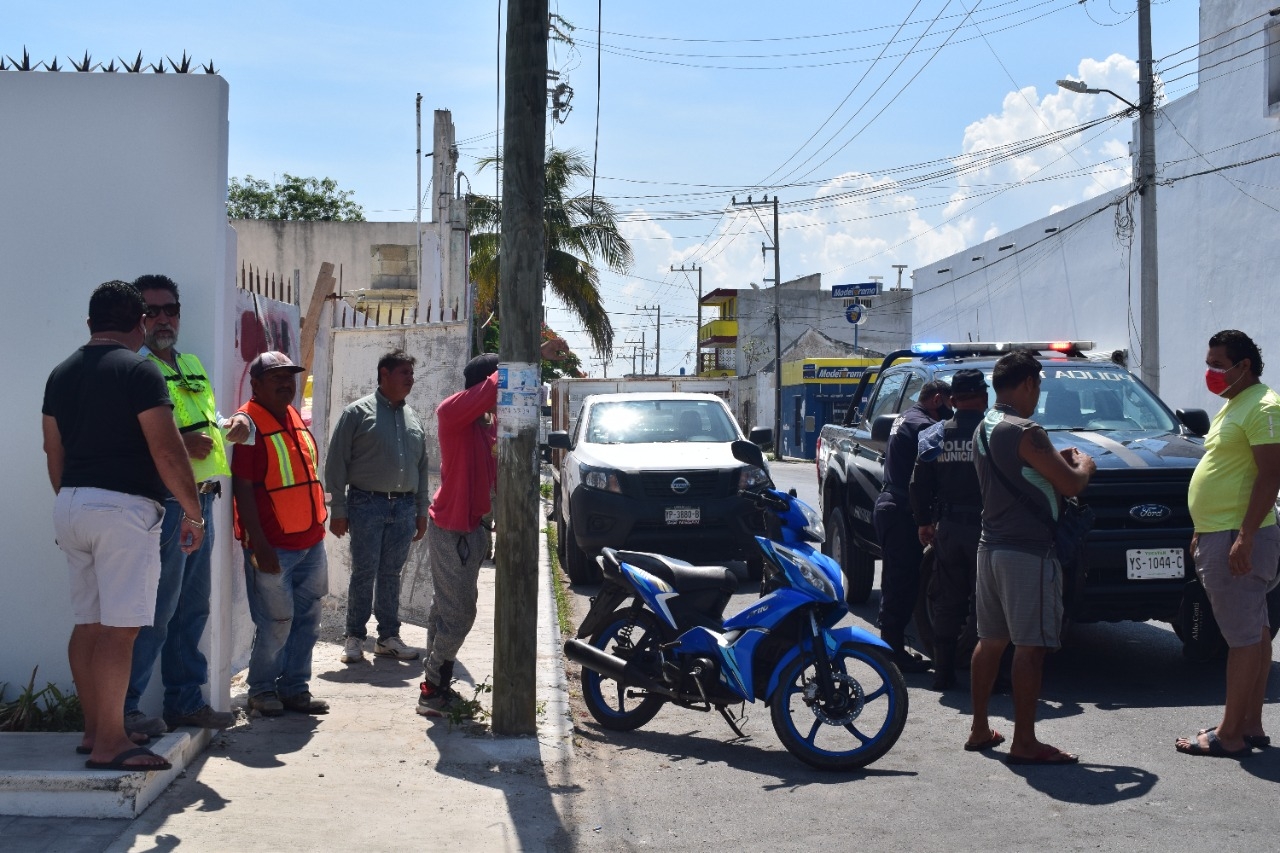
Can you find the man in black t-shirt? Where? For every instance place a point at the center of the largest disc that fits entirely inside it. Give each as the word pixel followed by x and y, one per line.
pixel 113 449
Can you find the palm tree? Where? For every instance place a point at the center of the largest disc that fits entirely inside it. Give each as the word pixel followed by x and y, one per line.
pixel 580 230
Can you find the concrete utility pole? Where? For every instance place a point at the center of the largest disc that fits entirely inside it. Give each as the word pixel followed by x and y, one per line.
pixel 1150 270
pixel 777 320
pixel 657 347
pixel 697 332
pixel 520 294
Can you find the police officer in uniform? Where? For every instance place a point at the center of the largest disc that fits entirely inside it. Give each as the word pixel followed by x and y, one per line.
pixel 947 501
pixel 900 548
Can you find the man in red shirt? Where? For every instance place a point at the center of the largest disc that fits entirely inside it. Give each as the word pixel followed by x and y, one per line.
pixel 280 514
pixel 455 534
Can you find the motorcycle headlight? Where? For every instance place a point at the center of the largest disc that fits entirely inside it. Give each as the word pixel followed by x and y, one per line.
pixel 601 478
pixel 812 522
pixel 812 575
pixel 752 477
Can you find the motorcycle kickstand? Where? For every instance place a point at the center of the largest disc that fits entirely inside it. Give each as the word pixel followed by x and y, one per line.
pixel 733 724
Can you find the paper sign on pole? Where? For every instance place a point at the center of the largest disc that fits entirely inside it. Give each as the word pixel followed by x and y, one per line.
pixel 519 386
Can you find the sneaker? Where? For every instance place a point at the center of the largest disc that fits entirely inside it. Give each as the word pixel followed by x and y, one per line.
pixel 440 701
pixel 138 723
pixel 353 650
pixel 304 703
pixel 267 704
pixel 202 718
pixel 393 647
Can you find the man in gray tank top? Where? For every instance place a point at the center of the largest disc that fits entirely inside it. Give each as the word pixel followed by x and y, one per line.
pixel 1019 589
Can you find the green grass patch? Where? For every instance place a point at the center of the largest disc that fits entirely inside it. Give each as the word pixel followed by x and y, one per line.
pixel 46 710
pixel 564 611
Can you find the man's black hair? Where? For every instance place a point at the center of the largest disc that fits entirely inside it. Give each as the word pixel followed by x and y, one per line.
pixel 1238 346
pixel 1014 369
pixel 157 282
pixel 394 359
pixel 936 386
pixel 115 306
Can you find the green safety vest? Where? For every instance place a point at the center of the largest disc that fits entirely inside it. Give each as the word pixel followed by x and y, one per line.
pixel 194 410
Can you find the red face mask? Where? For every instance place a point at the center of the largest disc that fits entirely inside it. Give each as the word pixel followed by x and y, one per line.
pixel 1215 379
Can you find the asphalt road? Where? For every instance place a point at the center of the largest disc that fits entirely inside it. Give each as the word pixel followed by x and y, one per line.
pixel 1118 694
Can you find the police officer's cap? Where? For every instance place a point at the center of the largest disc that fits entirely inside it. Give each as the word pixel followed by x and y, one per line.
pixel 968 382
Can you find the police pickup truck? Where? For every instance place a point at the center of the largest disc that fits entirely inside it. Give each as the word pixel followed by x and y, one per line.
pixel 1138 566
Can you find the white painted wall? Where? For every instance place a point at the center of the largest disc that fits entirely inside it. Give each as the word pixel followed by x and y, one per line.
pixel 1218 246
pixel 103 176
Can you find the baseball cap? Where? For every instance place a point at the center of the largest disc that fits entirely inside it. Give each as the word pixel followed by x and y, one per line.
pixel 480 368
pixel 968 382
pixel 272 361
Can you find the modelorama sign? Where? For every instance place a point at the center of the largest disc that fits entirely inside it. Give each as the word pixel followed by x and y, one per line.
pixel 851 291
pixel 816 371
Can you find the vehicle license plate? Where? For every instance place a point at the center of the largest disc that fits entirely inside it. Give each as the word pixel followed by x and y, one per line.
pixel 1149 563
pixel 684 515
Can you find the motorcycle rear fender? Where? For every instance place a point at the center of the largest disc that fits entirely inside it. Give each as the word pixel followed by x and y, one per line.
pixel 834 638
pixel 654 591
pixel 609 598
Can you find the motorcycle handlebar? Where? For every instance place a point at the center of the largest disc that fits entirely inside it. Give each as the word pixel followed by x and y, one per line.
pixel 764 499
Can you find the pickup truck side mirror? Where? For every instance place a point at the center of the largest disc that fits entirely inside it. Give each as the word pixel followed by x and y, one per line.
pixel 761 436
pixel 559 439
pixel 1196 420
pixel 881 427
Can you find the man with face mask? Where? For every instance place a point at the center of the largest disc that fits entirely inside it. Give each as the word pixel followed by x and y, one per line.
pixel 1237 544
pixel 900 548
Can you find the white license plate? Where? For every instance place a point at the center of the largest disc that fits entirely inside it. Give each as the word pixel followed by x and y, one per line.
pixel 684 515
pixel 1151 563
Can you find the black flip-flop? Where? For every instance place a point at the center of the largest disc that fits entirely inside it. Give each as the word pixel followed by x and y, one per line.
pixel 1255 741
pixel 990 743
pixel 118 763
pixel 1215 749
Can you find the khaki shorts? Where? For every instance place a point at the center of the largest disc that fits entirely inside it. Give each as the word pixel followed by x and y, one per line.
pixel 112 543
pixel 1239 603
pixel 1019 598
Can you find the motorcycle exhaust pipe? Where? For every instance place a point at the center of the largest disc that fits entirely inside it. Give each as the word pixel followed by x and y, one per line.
pixel 613 667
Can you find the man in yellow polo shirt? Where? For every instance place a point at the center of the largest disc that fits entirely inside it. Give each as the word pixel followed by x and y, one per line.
pixel 1237 544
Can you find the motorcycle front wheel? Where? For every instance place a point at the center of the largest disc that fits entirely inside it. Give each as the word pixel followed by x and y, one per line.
pixel 634 635
pixel 857 723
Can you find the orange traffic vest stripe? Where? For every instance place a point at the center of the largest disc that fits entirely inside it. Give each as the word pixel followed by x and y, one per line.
pixel 291 483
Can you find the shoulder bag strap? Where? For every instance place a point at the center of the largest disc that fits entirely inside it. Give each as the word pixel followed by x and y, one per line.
pixel 1035 509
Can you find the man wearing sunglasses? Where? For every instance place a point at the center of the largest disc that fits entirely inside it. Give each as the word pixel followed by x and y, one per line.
pixel 182 599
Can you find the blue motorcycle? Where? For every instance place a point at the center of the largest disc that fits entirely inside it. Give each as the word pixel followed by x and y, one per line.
pixel 656 633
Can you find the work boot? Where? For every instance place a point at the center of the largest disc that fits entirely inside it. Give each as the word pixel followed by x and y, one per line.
pixel 944 664
pixel 906 660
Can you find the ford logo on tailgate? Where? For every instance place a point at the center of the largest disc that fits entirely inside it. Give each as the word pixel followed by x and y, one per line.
pixel 1150 513
pixel 679 485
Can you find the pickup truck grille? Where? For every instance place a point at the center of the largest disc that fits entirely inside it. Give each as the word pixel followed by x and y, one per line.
pixel 702 484
pixel 1113 493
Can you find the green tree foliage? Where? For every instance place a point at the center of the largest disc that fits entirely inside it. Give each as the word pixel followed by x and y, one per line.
pixel 312 199
pixel 569 366
pixel 580 232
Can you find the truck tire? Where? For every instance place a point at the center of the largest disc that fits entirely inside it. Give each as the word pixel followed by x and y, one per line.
pixel 859 566
pixel 580 568
pixel 1202 641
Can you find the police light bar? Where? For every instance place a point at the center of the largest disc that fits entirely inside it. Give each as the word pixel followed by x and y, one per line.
pixel 998 348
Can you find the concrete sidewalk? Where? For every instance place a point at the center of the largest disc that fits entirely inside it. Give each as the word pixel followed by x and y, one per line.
pixel 371 774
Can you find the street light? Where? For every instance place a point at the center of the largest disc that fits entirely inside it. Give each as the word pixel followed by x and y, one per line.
pixel 1145 183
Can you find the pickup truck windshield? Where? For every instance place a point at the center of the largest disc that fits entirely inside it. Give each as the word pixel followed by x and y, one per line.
pixel 647 421
pixel 1093 397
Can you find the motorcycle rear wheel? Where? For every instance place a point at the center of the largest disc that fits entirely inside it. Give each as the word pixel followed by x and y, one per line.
pixel 634 635
pixel 858 726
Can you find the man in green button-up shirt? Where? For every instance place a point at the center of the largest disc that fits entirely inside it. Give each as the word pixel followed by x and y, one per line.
pixel 376 474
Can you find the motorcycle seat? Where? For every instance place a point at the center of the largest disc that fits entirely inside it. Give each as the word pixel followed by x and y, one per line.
pixel 685 577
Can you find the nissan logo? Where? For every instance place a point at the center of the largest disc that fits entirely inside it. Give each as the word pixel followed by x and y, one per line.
pixel 1150 512
pixel 679 485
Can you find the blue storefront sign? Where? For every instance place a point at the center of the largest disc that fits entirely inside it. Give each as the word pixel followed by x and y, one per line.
pixel 850 291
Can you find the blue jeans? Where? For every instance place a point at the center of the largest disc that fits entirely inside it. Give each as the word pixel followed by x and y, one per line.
pixel 182 611
pixel 286 616
pixel 381 531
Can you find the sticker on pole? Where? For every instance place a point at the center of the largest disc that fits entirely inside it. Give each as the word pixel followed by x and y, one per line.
pixel 519 385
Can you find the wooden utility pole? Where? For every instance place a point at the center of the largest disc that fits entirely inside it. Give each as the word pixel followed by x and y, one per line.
pixel 697 332
pixel 520 295
pixel 657 348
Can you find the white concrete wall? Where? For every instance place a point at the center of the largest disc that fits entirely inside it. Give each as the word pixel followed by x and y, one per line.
pixel 349 373
pixel 1217 240
pixel 103 176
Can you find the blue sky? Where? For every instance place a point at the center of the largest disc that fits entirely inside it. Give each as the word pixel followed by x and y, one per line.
pixel 857 114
